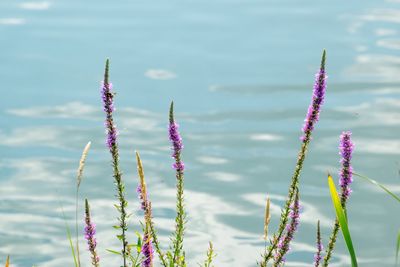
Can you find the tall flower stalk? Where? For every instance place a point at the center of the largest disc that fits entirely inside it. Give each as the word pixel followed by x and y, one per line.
pixel 79 177
pixel 178 256
pixel 284 243
pixel 111 142
pixel 90 231
pixel 308 127
pixel 346 148
pixel 320 247
pixel 147 249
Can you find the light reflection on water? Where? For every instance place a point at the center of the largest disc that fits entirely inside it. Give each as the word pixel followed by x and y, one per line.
pixel 241 76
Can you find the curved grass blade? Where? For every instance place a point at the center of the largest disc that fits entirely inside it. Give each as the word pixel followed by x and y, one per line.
pixel 398 248
pixel 378 184
pixel 342 220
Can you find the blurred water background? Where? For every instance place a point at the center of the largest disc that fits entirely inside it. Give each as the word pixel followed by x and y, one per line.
pixel 241 75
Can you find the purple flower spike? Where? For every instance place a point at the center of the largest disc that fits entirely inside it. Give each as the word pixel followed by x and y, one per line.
pixel 346 148
pixel 90 231
pixel 284 243
pixel 176 139
pixel 141 197
pixel 108 105
pixel 147 251
pixel 317 100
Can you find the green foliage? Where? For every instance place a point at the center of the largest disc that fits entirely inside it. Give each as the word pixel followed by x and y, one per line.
pixel 342 218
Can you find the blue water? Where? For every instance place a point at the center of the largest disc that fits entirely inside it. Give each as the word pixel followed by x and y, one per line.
pixel 240 74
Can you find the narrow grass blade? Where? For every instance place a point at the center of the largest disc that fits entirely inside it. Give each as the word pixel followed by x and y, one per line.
pixel 8 261
pixel 114 251
pixel 69 237
pixel 342 220
pixel 378 184
pixel 398 248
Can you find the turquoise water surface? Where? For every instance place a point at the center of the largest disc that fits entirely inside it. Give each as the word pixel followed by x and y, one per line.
pixel 240 74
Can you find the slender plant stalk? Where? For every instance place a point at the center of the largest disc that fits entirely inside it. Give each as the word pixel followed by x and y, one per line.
pixel 157 244
pixel 331 244
pixel 79 177
pixel 285 213
pixel 346 149
pixel 147 249
pixel 76 225
pixel 210 255
pixel 8 261
pixel 146 205
pixel 284 242
pixel 310 121
pixel 107 96
pixel 179 166
pixel 317 256
pixel 90 231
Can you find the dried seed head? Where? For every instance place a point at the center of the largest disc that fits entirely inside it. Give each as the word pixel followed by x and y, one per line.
pixel 267 218
pixel 79 175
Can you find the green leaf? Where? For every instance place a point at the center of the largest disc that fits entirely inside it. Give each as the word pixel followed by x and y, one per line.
pixel 139 243
pixel 114 252
pixel 378 184
pixel 69 236
pixel 71 245
pixel 342 220
pixel 398 248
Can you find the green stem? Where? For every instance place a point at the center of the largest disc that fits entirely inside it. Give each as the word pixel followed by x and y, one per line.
pixel 122 204
pixel 157 243
pixel 76 226
pixel 292 189
pixel 331 244
pixel 180 217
